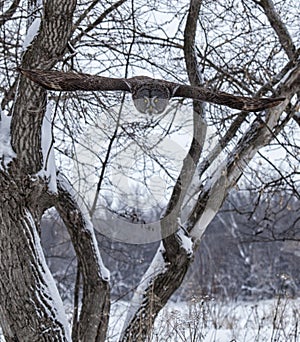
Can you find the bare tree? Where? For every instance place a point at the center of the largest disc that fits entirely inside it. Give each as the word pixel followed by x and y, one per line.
pixel 217 46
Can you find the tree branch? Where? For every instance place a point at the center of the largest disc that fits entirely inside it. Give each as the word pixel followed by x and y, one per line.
pixel 9 13
pixel 97 22
pixel 259 134
pixel 93 321
pixel 169 267
pixel 279 27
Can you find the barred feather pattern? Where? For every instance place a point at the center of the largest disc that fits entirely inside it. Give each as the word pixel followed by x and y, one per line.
pixel 71 81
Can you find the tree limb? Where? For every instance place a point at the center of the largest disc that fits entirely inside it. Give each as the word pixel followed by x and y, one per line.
pixel 169 267
pixel 259 134
pixel 93 321
pixel 279 27
pixel 9 13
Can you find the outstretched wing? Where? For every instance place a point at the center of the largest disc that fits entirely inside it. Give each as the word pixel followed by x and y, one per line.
pixel 232 101
pixel 68 81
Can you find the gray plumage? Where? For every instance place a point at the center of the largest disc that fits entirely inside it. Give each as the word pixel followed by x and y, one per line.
pixel 149 95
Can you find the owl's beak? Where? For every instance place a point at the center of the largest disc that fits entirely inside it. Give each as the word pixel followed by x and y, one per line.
pixel 151 110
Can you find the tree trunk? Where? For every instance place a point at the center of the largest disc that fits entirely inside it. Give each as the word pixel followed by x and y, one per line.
pixel 31 309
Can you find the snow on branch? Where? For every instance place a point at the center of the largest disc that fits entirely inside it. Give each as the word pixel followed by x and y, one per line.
pixel 185 240
pixel 91 325
pixel 208 203
pixel 49 168
pixel 80 210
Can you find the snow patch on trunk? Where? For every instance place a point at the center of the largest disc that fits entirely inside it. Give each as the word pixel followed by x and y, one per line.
pixel 6 151
pixel 104 272
pixel 49 168
pixel 186 241
pixel 32 31
pixel 48 289
pixel 158 266
pixel 217 188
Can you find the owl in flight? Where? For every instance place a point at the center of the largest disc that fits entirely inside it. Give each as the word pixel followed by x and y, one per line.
pixel 150 96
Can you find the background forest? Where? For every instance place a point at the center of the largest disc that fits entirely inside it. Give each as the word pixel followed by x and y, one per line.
pixel 255 257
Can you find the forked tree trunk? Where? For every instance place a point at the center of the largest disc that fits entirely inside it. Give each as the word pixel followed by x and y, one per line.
pixel 30 306
pixel 167 270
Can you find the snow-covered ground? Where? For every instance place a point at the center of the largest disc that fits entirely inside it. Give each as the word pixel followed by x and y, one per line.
pixel 274 320
pixel 212 321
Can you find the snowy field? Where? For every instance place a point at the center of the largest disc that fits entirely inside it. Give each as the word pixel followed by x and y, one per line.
pixel 211 321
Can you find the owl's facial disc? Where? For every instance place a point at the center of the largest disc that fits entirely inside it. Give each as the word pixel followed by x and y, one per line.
pixel 151 100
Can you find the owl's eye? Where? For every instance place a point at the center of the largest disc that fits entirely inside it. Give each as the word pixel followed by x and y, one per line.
pixel 145 100
pixel 155 100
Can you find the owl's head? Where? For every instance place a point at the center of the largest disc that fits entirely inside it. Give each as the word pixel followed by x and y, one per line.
pixel 152 98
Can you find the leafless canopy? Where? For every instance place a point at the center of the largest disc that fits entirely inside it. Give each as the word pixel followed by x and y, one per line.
pixel 197 49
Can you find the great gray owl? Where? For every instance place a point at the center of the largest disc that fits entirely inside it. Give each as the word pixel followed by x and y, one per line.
pixel 149 95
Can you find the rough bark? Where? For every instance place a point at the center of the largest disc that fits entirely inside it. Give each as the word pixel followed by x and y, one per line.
pixel 45 50
pixel 30 308
pixel 155 296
